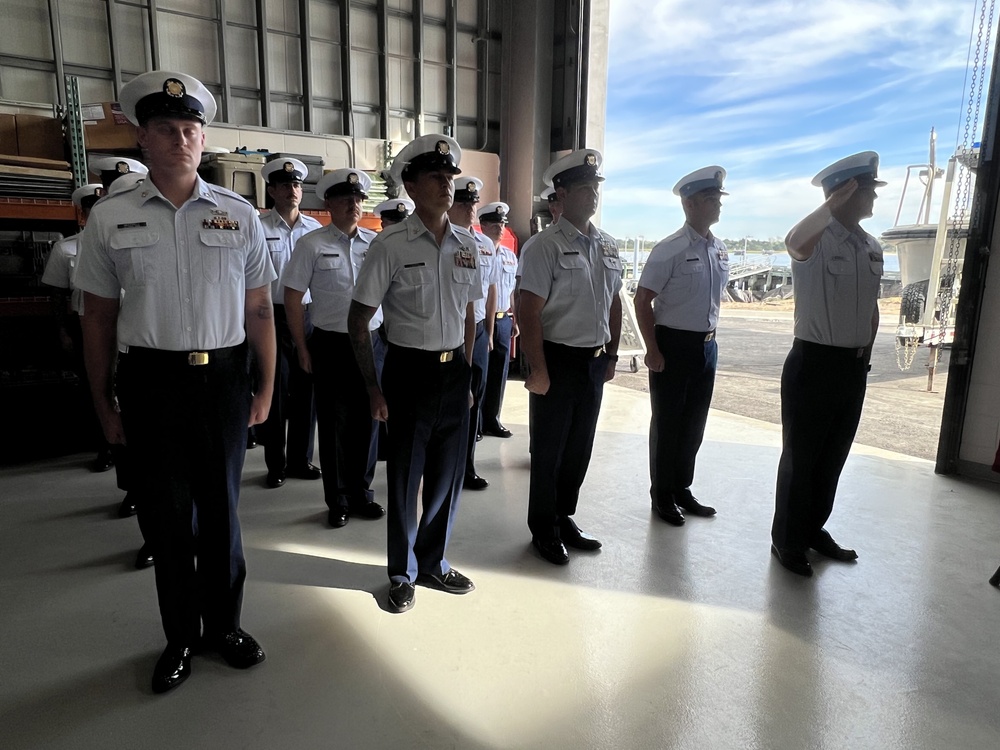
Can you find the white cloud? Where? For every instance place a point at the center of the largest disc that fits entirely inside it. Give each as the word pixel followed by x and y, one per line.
pixel 774 91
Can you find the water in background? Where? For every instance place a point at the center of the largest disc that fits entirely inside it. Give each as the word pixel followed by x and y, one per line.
pixel 778 260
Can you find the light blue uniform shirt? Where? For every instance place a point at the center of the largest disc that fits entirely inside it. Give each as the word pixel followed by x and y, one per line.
pixel 326 262
pixel 490 271
pixel 687 272
pixel 60 269
pixel 423 289
pixel 836 289
pixel 508 277
pixel 281 240
pixel 184 271
pixel 578 276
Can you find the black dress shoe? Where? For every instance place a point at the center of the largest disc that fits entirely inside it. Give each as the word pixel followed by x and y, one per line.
pixel 669 513
pixel 401 596
pixel 571 536
pixel 367 509
pixel 103 462
pixel 475 482
pixel 551 549
pixel 127 508
pixel 304 472
pixel 690 503
pixel 251 440
pixel 451 582
pixel 144 557
pixel 275 479
pixel 797 562
pixel 338 518
pixel 497 431
pixel 826 546
pixel 238 648
pixel 172 668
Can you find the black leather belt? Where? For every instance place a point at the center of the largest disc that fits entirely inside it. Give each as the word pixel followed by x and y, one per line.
pixel 168 358
pixel 425 355
pixel 689 336
pixel 841 351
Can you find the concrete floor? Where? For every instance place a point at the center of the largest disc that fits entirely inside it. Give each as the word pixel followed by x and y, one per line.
pixel 667 638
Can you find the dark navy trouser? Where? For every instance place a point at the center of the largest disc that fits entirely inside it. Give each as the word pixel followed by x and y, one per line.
pixel 428 426
pixel 563 424
pixel 186 427
pixel 822 394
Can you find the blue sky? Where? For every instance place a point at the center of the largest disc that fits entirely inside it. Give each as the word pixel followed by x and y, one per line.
pixel 775 90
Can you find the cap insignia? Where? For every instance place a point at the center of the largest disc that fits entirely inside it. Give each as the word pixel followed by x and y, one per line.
pixel 122 167
pixel 352 178
pixel 173 87
pixel 401 207
pixel 471 187
pixel 443 148
pixel 500 212
pixel 289 167
pixel 590 160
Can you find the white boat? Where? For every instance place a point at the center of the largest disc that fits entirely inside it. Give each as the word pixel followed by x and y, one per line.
pixel 931 253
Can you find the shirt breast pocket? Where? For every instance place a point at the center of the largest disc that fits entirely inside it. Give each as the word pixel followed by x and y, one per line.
pixel 331 273
pixel 613 266
pixel 572 273
pixel 417 288
pixel 840 267
pixel 222 255
pixel 134 257
pixel 688 275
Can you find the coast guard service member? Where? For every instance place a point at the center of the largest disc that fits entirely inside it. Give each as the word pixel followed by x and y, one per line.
pixel 192 261
pixel 60 270
pixel 677 309
pixel 570 317
pixel 326 263
pixel 393 211
pixel 836 271
pixel 493 219
pixel 425 275
pixel 113 168
pixel 463 214
pixel 292 401
pixel 552 200
pixel 67 305
pixel 119 175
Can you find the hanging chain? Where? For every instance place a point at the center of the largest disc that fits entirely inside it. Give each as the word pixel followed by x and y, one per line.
pixel 958 228
pixel 906 350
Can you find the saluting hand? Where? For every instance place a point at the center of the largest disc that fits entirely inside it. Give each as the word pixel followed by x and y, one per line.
pixel 843 194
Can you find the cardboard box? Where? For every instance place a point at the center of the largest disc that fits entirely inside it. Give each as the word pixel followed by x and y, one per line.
pixel 105 127
pixel 8 135
pixel 40 137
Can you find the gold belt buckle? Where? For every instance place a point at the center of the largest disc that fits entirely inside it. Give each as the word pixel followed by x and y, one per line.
pixel 446 357
pixel 197 358
pixel 709 336
pixel 599 351
pixel 500 315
